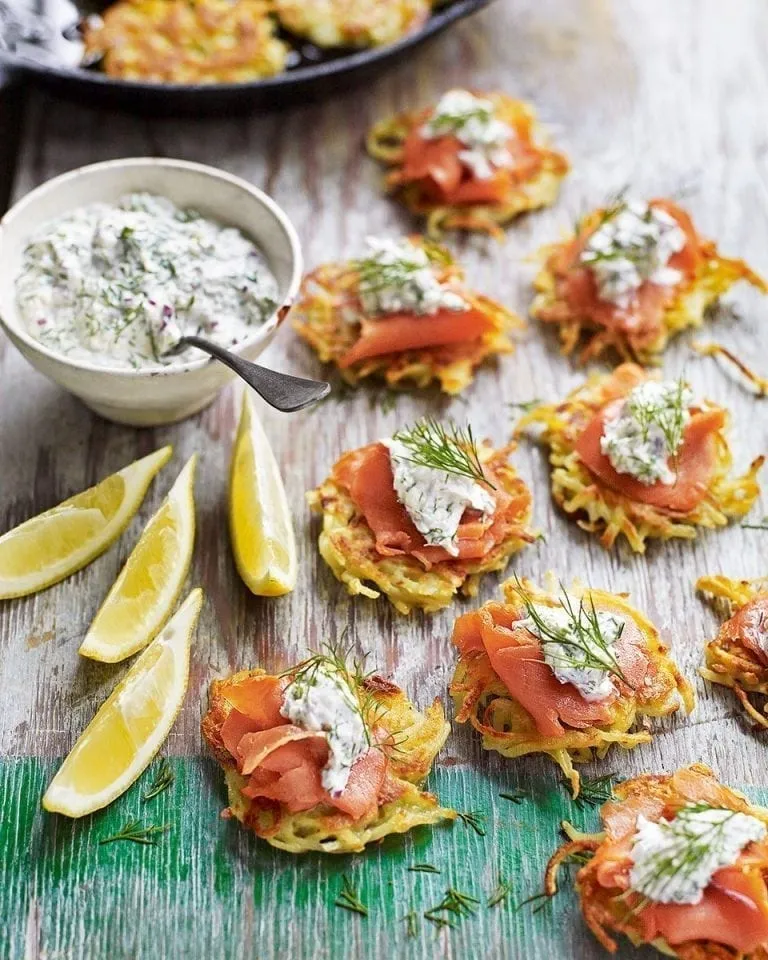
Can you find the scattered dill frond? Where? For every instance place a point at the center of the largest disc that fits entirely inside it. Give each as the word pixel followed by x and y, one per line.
pixel 541 900
pixel 134 832
pixel 386 400
pixel 448 448
pixel 164 779
pixel 502 891
pixel 473 819
pixel 514 796
pixel 411 921
pixel 423 868
pixel 348 898
pixel 454 902
pixel 594 791
pixel 525 406
pixel 582 644
pixel 762 525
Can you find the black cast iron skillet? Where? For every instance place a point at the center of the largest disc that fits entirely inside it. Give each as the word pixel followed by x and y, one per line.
pixel 317 74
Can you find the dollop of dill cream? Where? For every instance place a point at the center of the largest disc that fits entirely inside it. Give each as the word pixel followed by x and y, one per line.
pixel 674 860
pixel 577 644
pixel 647 430
pixel 119 284
pixel 434 498
pixel 321 698
pixel 473 122
pixel 633 245
pixel 398 276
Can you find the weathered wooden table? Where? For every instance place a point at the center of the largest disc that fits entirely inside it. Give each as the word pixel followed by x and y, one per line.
pixel 644 92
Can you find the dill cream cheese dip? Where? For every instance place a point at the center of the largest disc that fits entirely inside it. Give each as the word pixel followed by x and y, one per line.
pixel 118 285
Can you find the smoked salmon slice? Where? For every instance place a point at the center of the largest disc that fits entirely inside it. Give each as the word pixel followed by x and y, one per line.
pixel 693 465
pixel 258 697
pixel 397 333
pixel 745 626
pixel 255 748
pixel 367 474
pixel 516 656
pixel 733 911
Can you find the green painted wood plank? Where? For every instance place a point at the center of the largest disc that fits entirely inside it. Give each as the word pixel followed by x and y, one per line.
pixel 210 889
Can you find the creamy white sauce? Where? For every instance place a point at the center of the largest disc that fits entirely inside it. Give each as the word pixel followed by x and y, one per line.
pixel 674 860
pixel 435 500
pixel 471 119
pixel 647 429
pixel 118 285
pixel 397 276
pixel 321 699
pixel 633 246
pixel 573 647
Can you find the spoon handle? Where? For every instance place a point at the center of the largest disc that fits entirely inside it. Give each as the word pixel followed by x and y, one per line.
pixel 280 390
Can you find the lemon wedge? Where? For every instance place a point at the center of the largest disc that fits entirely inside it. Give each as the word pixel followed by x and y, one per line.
pixel 63 540
pixel 131 725
pixel 146 591
pixel 259 519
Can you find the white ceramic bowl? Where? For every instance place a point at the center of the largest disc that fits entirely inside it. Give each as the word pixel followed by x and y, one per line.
pixel 148 397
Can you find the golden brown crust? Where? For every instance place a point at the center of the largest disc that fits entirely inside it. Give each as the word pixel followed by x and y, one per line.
pixel 348 546
pixel 412 741
pixel 728 661
pixel 385 144
pixel 481 698
pixel 352 23
pixel 326 315
pixel 610 514
pixel 174 41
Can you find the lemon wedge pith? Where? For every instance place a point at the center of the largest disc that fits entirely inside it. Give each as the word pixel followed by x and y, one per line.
pixel 55 544
pixel 131 725
pixel 148 586
pixel 259 517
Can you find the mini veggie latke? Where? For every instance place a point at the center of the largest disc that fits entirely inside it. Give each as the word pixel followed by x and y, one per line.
pixel 562 673
pixel 738 655
pixel 673 458
pixel 352 23
pixel 403 313
pixel 324 757
pixel 632 275
pixel 681 865
pixel 186 41
pixel 421 516
pixel 472 162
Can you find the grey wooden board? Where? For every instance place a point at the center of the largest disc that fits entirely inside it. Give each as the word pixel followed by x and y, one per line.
pixel 657 95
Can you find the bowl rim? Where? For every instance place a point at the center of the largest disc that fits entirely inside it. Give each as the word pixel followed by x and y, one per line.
pixel 18 210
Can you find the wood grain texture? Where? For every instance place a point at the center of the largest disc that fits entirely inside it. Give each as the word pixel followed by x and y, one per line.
pixel 657 95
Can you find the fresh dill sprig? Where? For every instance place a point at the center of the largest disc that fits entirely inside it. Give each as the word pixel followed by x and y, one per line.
pixel 594 791
pixel 582 644
pixel 514 796
pixel 423 868
pixel 454 902
pixel 665 866
pixel 473 819
pixel 670 419
pixel 135 832
pixel 164 779
pixel 502 891
pixel 447 448
pixel 348 898
pixel 447 122
pixel 411 921
pixel 612 206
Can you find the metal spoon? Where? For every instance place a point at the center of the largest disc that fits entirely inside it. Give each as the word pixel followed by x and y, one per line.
pixel 280 390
